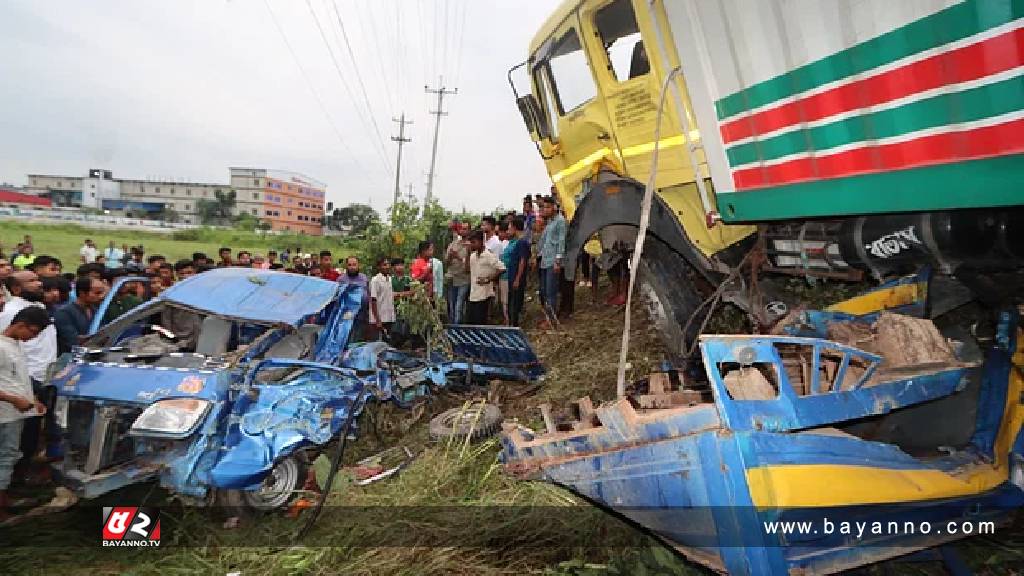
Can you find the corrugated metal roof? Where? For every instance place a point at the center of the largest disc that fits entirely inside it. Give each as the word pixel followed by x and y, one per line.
pixel 7 195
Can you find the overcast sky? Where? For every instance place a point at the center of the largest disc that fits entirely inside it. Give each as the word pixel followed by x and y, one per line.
pixel 186 88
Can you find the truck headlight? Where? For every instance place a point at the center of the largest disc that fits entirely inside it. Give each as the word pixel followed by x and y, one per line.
pixel 173 418
pixel 60 412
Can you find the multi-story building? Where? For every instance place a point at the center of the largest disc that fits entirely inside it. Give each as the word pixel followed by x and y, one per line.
pixel 290 201
pixel 287 200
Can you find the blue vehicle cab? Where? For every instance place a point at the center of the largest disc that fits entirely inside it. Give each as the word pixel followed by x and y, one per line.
pixel 226 386
pixel 221 386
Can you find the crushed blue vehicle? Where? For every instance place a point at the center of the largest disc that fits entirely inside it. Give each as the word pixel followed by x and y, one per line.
pixel 477 352
pixel 821 422
pixel 226 386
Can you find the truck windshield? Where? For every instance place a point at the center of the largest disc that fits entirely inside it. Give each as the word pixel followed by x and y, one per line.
pixel 620 36
pixel 570 72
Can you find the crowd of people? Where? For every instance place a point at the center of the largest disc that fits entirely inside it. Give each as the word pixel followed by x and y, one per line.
pixel 482 275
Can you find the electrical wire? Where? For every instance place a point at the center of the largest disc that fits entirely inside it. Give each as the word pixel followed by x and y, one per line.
pixel 351 55
pixel 645 218
pixel 315 92
pixel 423 45
pixel 462 34
pixel 380 59
pixel 714 299
pixel 335 465
pixel 444 37
pixel 341 77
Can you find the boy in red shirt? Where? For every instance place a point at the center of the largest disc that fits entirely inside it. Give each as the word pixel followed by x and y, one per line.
pixel 327 269
pixel 421 269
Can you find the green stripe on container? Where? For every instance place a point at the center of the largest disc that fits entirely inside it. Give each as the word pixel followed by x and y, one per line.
pixel 949 25
pixel 966 106
pixel 989 182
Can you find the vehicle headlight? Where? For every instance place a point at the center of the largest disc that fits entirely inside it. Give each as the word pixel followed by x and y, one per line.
pixel 60 412
pixel 173 418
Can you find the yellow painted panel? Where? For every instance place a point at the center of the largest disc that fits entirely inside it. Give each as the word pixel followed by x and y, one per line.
pixel 1013 412
pixel 814 485
pixel 880 299
pixel 684 201
pixel 820 485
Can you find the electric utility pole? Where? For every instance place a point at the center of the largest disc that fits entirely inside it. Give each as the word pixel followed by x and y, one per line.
pixel 441 93
pixel 401 139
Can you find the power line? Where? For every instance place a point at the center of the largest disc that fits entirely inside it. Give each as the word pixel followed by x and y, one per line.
pixel 352 56
pixel 434 68
pixel 462 34
pixel 444 38
pixel 422 38
pixel 380 58
pixel 441 93
pixel 348 90
pixel 314 91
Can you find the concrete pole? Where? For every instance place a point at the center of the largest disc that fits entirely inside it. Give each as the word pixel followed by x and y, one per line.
pixel 441 93
pixel 401 139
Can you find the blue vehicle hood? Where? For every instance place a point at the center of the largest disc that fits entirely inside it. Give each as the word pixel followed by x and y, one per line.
pixel 256 295
pixel 137 384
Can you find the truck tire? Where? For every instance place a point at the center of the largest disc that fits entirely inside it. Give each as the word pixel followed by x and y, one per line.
pixel 475 422
pixel 667 287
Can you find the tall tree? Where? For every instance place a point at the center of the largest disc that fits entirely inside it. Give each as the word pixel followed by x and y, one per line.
pixel 355 217
pixel 218 210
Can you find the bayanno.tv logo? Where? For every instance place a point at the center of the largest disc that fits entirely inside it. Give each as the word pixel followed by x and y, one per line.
pixel 131 526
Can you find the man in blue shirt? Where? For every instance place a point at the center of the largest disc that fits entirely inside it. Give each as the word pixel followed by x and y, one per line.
pixel 530 216
pixel 517 263
pixel 114 256
pixel 551 248
pixel 72 320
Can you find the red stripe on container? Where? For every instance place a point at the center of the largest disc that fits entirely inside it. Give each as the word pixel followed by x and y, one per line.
pixel 998 140
pixel 992 56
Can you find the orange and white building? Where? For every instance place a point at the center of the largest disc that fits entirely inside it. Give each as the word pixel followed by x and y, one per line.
pixel 291 202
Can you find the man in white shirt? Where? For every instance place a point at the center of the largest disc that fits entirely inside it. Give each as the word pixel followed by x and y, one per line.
pixel 491 241
pixel 87 252
pixel 40 351
pixel 484 269
pixel 5 270
pixel 16 398
pixel 382 301
pixel 27 290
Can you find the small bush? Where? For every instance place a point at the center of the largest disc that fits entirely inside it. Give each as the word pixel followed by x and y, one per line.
pixel 190 235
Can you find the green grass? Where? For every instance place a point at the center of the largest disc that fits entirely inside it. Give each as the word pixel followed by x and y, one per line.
pixel 64 240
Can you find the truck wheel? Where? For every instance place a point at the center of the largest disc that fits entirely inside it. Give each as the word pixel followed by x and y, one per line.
pixel 277 490
pixel 666 283
pixel 475 422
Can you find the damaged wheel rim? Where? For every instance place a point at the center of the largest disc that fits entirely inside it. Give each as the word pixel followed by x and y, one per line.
pixel 277 487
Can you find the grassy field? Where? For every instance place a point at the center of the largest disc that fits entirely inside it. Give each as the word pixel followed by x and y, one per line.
pixel 64 240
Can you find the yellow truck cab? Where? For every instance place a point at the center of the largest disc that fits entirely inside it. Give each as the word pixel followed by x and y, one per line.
pixel 595 93
pixel 836 139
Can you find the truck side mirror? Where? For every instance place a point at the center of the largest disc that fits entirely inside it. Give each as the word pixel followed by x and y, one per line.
pixel 533 117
